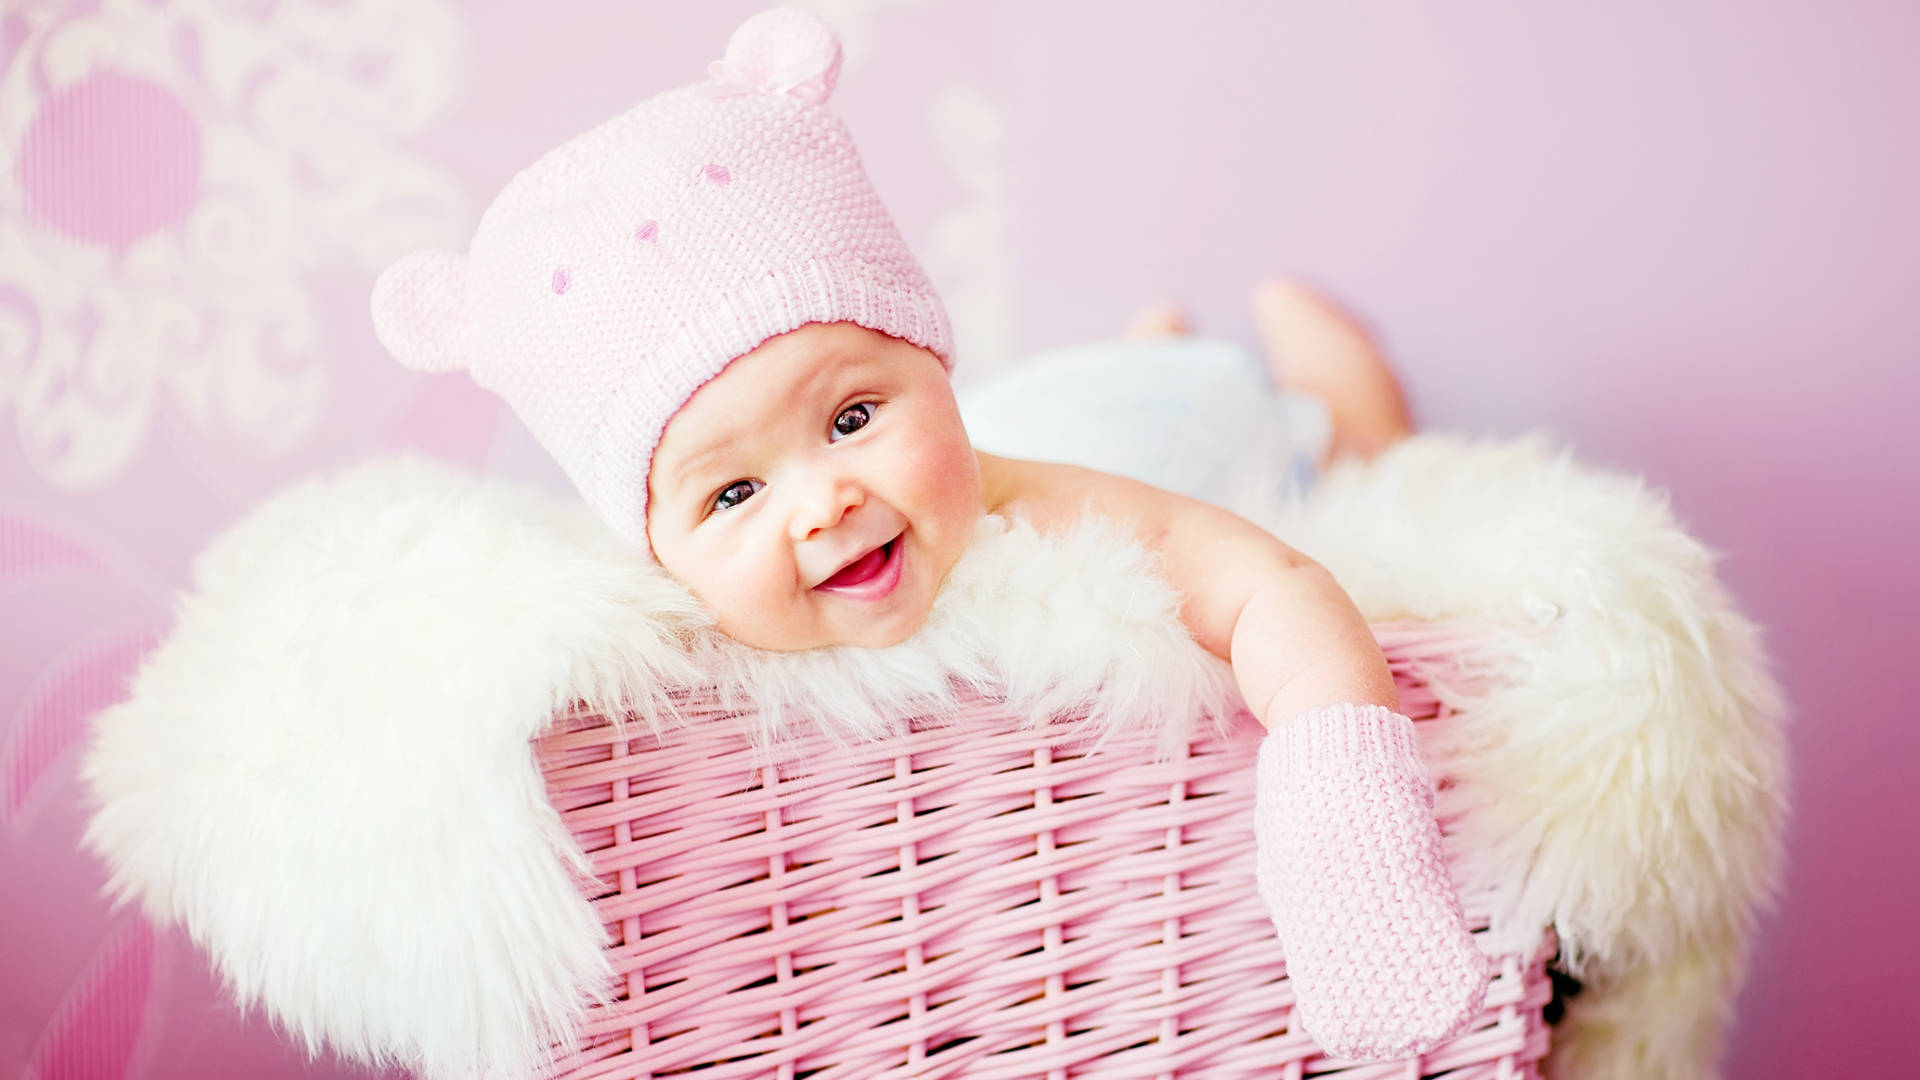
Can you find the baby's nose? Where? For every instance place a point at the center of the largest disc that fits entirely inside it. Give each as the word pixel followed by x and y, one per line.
pixel 822 503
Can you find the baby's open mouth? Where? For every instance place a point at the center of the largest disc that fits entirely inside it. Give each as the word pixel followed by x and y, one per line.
pixel 870 576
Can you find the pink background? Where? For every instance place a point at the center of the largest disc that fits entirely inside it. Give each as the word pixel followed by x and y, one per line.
pixel 1677 235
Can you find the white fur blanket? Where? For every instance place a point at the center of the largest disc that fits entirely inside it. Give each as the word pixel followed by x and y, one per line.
pixel 334 740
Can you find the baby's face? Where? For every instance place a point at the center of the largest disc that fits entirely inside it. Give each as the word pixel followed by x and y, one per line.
pixel 817 491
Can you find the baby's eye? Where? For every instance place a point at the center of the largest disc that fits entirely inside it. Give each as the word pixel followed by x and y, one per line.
pixel 735 493
pixel 852 419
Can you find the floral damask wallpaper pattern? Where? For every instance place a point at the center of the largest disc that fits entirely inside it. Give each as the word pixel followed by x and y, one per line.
pixel 174 173
pixel 268 141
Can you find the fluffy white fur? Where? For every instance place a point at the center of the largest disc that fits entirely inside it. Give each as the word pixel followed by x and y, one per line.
pixel 1622 775
pixel 324 774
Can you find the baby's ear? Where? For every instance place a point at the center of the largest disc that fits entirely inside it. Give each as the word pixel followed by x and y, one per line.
pixel 417 308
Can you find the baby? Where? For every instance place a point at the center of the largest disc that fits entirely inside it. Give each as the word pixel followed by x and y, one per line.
pixel 703 312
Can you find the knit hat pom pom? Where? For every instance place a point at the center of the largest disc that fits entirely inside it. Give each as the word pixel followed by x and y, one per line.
pixel 782 51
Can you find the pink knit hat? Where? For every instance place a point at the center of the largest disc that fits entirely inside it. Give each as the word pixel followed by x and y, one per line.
pixel 631 264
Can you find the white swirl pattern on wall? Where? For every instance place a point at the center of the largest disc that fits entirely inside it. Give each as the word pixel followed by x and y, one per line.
pixel 178 172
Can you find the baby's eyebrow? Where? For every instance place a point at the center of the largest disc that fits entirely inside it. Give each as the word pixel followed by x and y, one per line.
pixel 704 457
pixel 707 458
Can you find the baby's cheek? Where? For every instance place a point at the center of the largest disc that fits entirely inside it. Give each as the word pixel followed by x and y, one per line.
pixel 930 442
pixel 752 601
pixel 948 479
pixel 705 575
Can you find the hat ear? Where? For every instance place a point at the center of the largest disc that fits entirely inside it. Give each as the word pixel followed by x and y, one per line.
pixel 784 51
pixel 417 308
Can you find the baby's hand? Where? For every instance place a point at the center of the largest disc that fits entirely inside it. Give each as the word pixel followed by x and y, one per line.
pixel 1350 869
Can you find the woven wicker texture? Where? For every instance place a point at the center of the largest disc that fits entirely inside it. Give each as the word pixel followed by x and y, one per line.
pixel 974 898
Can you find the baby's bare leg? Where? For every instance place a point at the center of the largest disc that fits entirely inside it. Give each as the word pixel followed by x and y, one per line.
pixel 1315 347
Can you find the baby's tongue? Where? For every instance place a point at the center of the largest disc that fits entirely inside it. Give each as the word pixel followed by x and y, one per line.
pixel 858 570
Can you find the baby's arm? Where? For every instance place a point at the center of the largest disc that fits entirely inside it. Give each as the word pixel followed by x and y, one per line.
pixel 1293 636
pixel 1348 854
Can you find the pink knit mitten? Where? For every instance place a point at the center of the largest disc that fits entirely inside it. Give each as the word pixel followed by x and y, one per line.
pixel 1350 869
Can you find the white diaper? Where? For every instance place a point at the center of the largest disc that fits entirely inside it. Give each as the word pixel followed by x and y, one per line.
pixel 1191 415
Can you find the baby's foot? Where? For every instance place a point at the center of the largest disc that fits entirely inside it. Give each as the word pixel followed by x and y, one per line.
pixel 1349 866
pixel 1314 347
pixel 1159 320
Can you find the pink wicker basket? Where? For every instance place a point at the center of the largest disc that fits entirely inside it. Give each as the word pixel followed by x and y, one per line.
pixel 973 898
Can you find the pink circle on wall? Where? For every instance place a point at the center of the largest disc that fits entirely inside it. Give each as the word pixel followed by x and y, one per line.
pixel 111 159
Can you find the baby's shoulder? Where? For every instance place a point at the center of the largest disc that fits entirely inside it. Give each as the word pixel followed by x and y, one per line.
pixel 1054 496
